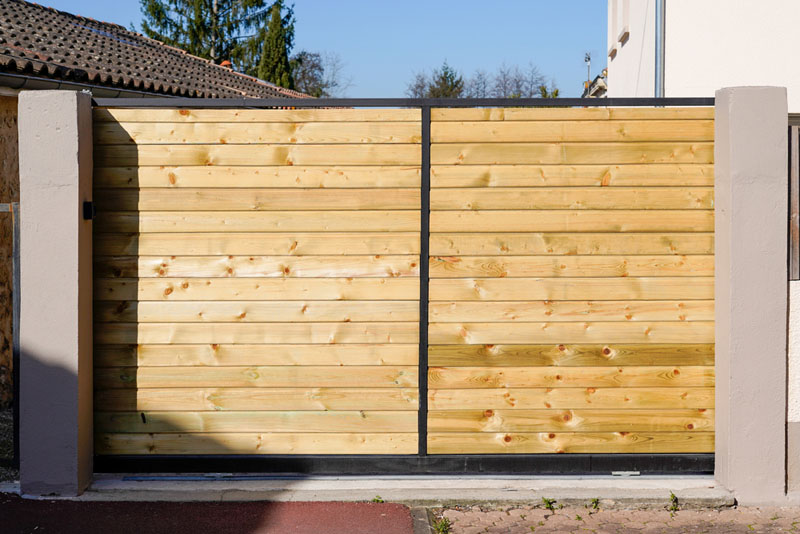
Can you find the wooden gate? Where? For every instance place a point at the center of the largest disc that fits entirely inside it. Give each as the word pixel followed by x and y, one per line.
pixel 258 281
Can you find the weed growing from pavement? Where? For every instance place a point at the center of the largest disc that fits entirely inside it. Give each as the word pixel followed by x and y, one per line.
pixel 595 504
pixel 673 503
pixel 578 518
pixel 442 526
pixel 377 499
pixel 550 504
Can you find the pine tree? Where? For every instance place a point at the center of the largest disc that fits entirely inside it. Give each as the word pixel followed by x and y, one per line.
pixel 446 83
pixel 274 65
pixel 216 30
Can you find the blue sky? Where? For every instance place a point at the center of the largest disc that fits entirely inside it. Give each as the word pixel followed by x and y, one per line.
pixel 382 43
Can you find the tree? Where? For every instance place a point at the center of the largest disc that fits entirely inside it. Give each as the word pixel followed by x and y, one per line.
pixel 552 92
pixel 445 82
pixel 273 65
pixel 478 85
pixel 318 74
pixel 216 30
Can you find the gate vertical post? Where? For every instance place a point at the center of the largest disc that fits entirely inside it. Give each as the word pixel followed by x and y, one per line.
pixel 424 266
pixel 751 185
pixel 55 170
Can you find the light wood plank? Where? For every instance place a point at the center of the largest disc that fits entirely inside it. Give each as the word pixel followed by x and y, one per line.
pixel 254 333
pixel 257 289
pixel 110 133
pixel 561 398
pixel 566 114
pixel 573 198
pixel 259 312
pixel 232 199
pixel 274 154
pixel 254 355
pixel 376 266
pixel 256 421
pixel 558 377
pixel 568 131
pixel 570 443
pixel 571 175
pixel 224 399
pixel 501 153
pixel 580 420
pixel 572 355
pixel 547 310
pixel 273 376
pixel 521 244
pixel 244 177
pixel 284 221
pixel 560 220
pixel 569 266
pixel 256 243
pixel 584 332
pixel 523 289
pixel 243 443
pixel 253 115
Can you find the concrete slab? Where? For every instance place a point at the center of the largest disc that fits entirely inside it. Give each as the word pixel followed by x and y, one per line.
pixel 620 492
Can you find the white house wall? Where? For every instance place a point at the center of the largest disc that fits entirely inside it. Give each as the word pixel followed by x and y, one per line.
pixel 632 69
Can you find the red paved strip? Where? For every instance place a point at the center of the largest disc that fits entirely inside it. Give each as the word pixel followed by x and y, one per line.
pixel 67 517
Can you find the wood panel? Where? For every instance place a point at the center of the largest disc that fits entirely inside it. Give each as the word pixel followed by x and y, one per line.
pixel 257 281
pixel 373 266
pixel 572 281
pixel 631 175
pixel 110 133
pixel 223 399
pixel 295 176
pixel 569 266
pixel 256 443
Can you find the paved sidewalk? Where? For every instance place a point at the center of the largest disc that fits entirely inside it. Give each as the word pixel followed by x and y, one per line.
pixel 588 521
pixel 18 516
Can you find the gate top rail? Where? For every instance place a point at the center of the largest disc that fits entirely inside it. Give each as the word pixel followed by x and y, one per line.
pixel 167 102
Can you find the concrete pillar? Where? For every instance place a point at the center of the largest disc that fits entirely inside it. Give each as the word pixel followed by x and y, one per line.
pixel 55 168
pixel 751 291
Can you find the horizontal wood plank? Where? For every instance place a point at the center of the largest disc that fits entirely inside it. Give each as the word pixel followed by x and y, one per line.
pixel 491 154
pixel 273 376
pixel 569 244
pixel 142 133
pixel 221 354
pixel 566 114
pixel 263 199
pixel 295 176
pixel 565 398
pixel 570 442
pixel 579 420
pixel 273 154
pixel 257 289
pixel 224 399
pixel 279 221
pixel 257 312
pixel 573 198
pixel 557 377
pixel 631 175
pixel 375 266
pixel 117 114
pixel 524 289
pixel 365 420
pixel 255 333
pixel 571 355
pixel 579 332
pixel 260 443
pixel 569 266
pixel 583 311
pixel 612 220
pixel 256 243
pixel 539 131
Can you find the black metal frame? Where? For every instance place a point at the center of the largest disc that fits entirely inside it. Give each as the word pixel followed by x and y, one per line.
pixel 420 463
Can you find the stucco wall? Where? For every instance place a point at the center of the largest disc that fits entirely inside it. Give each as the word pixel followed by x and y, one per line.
pixel 710 44
pixel 793 412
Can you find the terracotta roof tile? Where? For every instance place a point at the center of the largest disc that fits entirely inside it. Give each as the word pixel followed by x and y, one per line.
pixel 42 41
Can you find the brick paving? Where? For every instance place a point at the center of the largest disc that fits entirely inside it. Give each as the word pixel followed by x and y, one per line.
pixel 588 521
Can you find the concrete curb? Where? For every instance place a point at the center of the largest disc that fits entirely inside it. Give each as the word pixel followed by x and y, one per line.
pixel 422 520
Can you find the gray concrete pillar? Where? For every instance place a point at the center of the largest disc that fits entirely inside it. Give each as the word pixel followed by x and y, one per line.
pixel 751 291
pixel 55 170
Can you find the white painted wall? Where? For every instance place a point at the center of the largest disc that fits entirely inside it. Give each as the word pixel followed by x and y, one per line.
pixel 710 44
pixel 793 413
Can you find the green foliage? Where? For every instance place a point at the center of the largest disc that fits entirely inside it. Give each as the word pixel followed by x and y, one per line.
pixel 550 504
pixel 445 82
pixel 595 504
pixel 544 92
pixel 217 30
pixel 273 65
pixel 442 526
pixel 377 499
pixel 318 74
pixel 673 503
